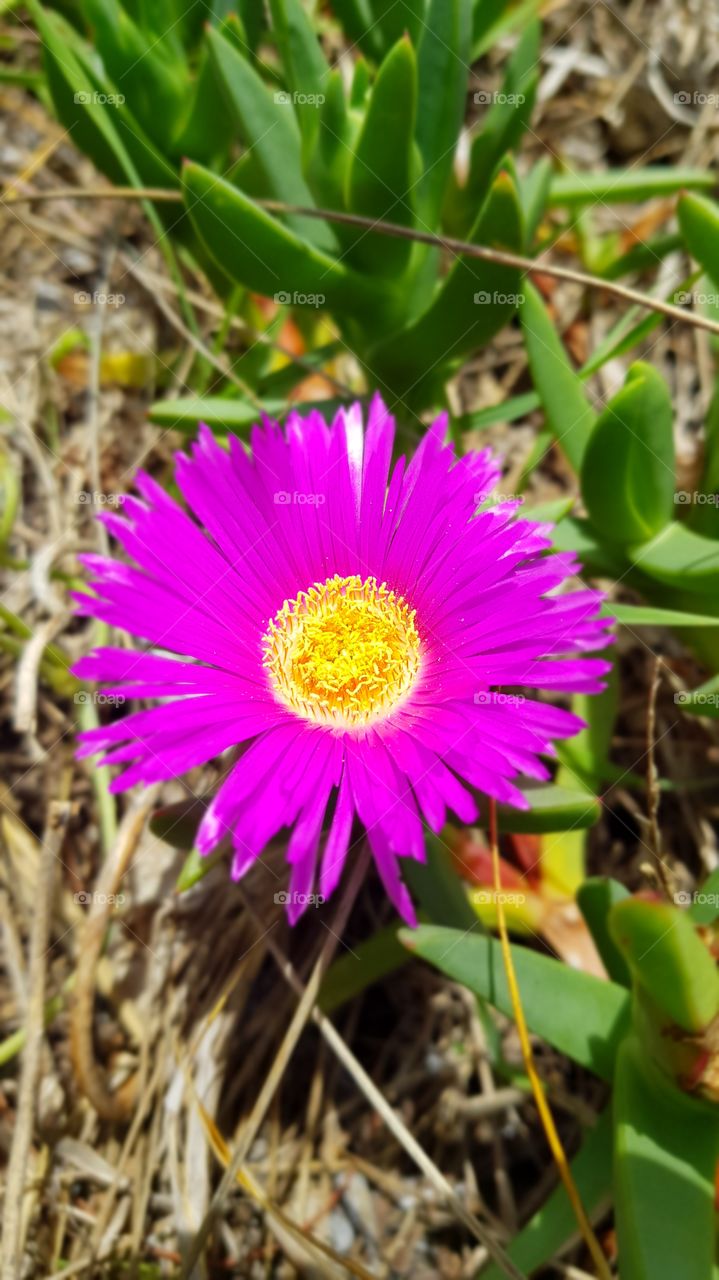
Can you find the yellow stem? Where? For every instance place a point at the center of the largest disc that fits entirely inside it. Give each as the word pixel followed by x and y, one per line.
pixel 545 1114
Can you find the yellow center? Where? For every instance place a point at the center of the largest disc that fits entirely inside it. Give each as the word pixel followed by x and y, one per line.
pixel 344 653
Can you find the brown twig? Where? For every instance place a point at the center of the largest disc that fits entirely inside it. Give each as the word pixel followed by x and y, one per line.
pixel 111 1106
pixel 530 266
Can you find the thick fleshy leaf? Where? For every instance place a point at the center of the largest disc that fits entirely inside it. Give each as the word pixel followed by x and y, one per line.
pixel 501 128
pixel 564 400
pixel 474 301
pixel 380 176
pixel 217 411
pixel 582 1016
pixel 268 127
pixel 359 24
pixel 534 189
pixel 394 17
pixel 303 62
pixel 681 558
pixel 666 1149
pixel 257 250
pixel 492 20
pixel 628 464
pixel 699 221
pixel 587 753
pixel 552 808
pixel 634 185
pixel 669 959
pixel 645 615
pixel 154 77
pixel 105 130
pixel 596 897
pixel 443 67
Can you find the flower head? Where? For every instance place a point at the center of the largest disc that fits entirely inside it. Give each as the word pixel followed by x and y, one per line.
pixel 349 625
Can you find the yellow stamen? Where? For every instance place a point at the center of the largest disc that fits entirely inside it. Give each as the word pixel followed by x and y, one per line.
pixel 344 653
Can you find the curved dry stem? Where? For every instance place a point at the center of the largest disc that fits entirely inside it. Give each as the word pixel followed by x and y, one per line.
pixel 114 1106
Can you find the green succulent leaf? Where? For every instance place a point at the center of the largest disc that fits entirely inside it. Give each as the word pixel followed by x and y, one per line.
pixel 668 958
pixel 646 615
pixel 474 301
pixel 304 64
pixel 380 174
pixel 552 808
pixel 359 24
pixel 564 400
pixel 502 126
pixel 260 252
pixel 617 185
pixel 269 130
pixel 443 65
pixel 587 753
pixel 681 558
pixel 699 222
pixel 218 412
pixel 666 1147
pixel 596 897
pixel 204 130
pixel 152 75
pixel 628 465
pixel 494 19
pixel 394 17
pixel 582 1016
pixel 534 188
pixel 109 134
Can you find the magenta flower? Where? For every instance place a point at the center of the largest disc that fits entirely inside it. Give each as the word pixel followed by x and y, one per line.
pixel 349 625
